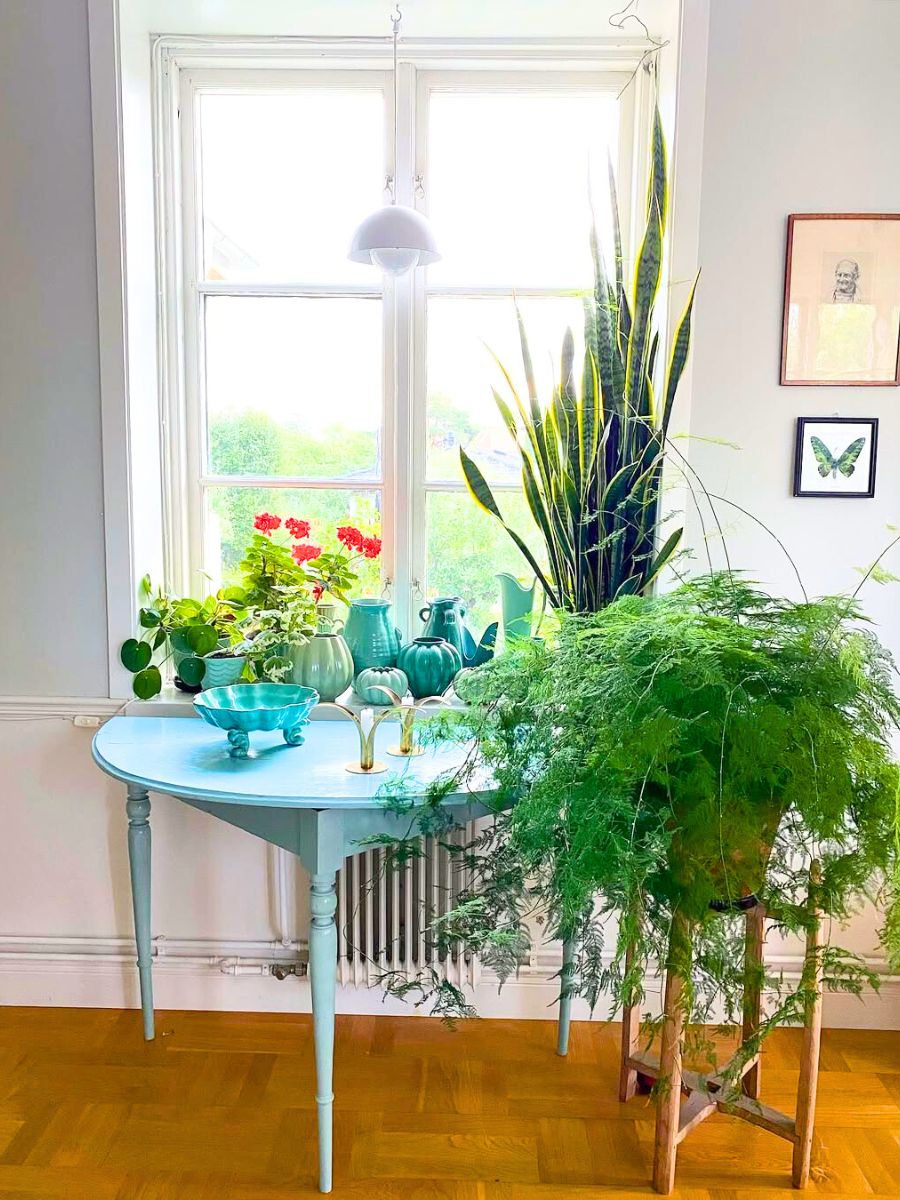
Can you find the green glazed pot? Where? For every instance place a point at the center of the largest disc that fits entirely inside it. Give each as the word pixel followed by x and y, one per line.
pixel 430 665
pixel 370 682
pixel 323 663
pixel 222 672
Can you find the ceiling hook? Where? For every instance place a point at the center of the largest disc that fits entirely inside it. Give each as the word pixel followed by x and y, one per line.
pixel 396 18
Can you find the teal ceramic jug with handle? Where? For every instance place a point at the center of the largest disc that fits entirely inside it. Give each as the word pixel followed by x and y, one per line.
pixel 517 604
pixel 445 618
pixel 370 633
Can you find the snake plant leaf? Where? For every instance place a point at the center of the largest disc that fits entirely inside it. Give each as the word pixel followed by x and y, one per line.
pixel 658 186
pixel 147 683
pixel 506 415
pixel 536 415
pixel 681 345
pixel 135 655
pixel 646 287
pixel 664 554
pixel 478 486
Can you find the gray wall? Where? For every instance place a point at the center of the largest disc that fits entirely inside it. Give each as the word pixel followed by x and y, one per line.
pixel 802 106
pixel 51 519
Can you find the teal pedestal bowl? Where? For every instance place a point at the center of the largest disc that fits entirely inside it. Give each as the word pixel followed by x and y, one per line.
pixel 247 708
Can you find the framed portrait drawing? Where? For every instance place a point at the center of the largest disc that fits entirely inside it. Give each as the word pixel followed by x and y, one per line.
pixel 835 456
pixel 842 300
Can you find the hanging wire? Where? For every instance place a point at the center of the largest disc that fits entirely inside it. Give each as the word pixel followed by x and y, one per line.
pixel 396 18
pixel 618 21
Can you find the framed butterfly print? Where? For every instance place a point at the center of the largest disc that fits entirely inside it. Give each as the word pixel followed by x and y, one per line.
pixel 842 300
pixel 835 456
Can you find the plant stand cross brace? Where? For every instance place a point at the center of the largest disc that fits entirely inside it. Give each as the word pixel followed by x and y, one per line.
pixel 706 1094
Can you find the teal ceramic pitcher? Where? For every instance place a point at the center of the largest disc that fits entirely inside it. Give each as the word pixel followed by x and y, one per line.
pixel 445 618
pixel 373 638
pixel 517 604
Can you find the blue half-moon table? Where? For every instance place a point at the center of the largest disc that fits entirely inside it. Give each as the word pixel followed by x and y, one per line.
pixel 297 797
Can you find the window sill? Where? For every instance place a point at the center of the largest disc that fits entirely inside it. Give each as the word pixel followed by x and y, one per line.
pixel 172 703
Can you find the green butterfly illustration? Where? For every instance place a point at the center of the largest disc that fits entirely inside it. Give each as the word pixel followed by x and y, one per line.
pixel 845 463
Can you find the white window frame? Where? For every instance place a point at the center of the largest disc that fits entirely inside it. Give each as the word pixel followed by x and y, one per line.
pixel 180 68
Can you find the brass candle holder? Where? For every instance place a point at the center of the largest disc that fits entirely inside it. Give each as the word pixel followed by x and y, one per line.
pixel 368 765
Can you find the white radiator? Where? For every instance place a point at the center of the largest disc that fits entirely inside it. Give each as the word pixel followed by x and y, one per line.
pixel 384 914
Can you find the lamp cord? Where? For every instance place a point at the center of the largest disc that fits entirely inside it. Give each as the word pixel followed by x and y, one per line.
pixel 396 18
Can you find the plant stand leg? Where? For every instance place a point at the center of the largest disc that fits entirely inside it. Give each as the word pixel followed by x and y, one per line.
pixel 631 1030
pixel 753 957
pixel 812 1038
pixel 138 809
pixel 565 998
pixel 668 1101
pixel 323 982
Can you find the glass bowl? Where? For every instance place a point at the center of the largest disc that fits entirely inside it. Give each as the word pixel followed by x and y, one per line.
pixel 245 708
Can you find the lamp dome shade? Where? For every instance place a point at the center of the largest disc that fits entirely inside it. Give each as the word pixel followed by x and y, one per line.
pixel 395 238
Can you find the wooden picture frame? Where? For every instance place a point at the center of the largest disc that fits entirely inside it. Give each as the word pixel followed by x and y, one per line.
pixel 841 315
pixel 824 455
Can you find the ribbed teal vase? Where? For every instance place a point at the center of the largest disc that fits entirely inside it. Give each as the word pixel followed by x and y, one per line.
pixel 371 634
pixel 430 664
pixel 323 663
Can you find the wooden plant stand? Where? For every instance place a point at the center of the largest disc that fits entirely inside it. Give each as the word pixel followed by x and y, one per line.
pixel 675 1116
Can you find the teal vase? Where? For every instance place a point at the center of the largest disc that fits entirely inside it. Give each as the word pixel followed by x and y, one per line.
pixel 324 664
pixel 445 618
pixel 372 637
pixel 517 605
pixel 370 683
pixel 430 664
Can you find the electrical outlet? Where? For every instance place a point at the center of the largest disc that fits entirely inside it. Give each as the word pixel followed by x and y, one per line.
pixel 85 722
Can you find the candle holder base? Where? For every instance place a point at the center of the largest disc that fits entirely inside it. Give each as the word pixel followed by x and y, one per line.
pixel 376 768
pixel 398 753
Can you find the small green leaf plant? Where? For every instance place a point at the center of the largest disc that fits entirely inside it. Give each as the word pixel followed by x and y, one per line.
pixel 592 458
pixel 183 629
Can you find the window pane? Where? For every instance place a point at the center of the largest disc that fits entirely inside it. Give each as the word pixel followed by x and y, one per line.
pixel 461 373
pixel 294 386
pixel 466 549
pixel 286 178
pixel 229 524
pixel 510 177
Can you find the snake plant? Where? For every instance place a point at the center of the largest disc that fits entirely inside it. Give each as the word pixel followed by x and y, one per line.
pixel 592 458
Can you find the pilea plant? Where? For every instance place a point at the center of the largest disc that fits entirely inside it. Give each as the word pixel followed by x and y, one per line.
pixel 183 629
pixel 674 755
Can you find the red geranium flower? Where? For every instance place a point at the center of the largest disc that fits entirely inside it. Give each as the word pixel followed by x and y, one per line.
pixel 350 536
pixel 371 547
pixel 266 523
pixel 318 592
pixel 302 554
pixel 297 528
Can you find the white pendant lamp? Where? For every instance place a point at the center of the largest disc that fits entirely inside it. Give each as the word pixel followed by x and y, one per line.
pixel 395 238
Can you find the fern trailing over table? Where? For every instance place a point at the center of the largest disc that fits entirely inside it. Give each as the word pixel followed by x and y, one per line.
pixel 592 458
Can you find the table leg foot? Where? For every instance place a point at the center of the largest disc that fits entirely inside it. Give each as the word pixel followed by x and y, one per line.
pixel 322 973
pixel 138 809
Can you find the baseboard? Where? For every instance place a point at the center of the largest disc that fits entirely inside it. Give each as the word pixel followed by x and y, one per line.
pixel 97 982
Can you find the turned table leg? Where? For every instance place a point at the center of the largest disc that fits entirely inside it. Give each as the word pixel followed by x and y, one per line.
pixel 565 998
pixel 323 973
pixel 138 809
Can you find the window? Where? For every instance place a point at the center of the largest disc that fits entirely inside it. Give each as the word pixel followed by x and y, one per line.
pixel 304 384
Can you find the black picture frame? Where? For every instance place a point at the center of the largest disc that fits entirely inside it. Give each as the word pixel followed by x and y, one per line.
pixel 803 424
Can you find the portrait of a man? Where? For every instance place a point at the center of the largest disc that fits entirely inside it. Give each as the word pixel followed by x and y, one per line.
pixel 846 282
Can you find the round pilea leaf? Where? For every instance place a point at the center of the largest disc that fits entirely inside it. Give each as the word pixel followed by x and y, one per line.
pixel 147 683
pixel 201 639
pixel 192 670
pixel 135 655
pixel 149 618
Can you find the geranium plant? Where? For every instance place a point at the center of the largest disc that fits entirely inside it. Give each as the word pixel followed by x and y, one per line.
pixel 274 566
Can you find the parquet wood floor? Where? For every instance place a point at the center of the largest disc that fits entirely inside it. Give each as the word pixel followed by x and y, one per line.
pixel 220 1107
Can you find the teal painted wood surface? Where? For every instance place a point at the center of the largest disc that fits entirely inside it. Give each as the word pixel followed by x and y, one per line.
pixel 300 798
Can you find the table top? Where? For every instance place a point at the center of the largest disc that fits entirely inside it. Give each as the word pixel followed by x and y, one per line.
pixel 185 757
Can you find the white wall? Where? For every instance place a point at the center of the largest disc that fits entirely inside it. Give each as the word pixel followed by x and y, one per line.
pixel 51 512
pixel 801 109
pixel 62 860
